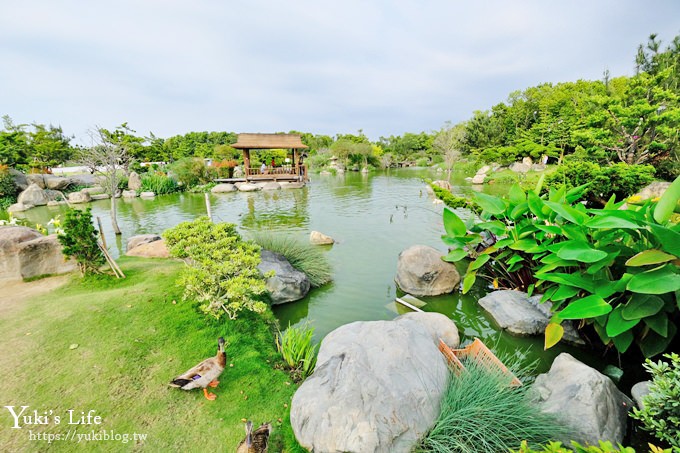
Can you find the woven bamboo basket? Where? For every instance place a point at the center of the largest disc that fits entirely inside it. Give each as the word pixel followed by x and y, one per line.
pixel 478 352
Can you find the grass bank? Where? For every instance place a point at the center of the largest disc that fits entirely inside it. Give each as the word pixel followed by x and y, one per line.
pixel 133 337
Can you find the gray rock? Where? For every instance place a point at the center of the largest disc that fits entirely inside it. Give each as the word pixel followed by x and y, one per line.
pixel 586 401
pixel 519 167
pixel 56 182
pixel 520 314
pixel 155 249
pixel 484 170
pixel 33 195
pixel 247 187
pixel 94 190
pixel 527 161
pixel 538 167
pixel 273 185
pixel 134 181
pixel 79 197
pixel 100 196
pixel 479 179
pixel 140 239
pixel 129 194
pixel 376 387
pixel 288 284
pixel 20 180
pixel 20 207
pixel 55 203
pixel 53 195
pixel 443 184
pixel 639 391
pixel 25 253
pixel 422 272
pixel 38 179
pixel 318 238
pixel 147 195
pixel 653 190
pixel 292 185
pixel 224 188
pixel 83 180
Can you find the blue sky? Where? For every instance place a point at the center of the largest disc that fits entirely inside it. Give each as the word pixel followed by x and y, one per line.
pixel 386 67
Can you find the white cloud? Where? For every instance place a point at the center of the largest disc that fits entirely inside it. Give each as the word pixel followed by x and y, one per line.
pixel 325 67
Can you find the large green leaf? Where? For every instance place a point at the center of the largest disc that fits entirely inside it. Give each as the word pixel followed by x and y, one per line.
pixel 580 251
pixel 468 281
pixel 669 239
pixel 667 202
pixel 479 262
pixel 588 307
pixel 523 244
pixel 654 343
pixel 651 256
pixel 516 194
pixel 616 324
pixel 564 292
pixel 567 212
pixel 569 279
pixel 453 225
pixel 519 210
pixel 495 226
pixel 623 341
pixel 642 306
pixel 553 334
pixel 536 205
pixel 658 323
pixel 489 203
pixel 455 255
pixel 656 281
pixel 610 221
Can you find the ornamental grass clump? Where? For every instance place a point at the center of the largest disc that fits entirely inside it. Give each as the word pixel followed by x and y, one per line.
pixel 221 273
pixel 481 413
pixel 298 351
pixel 159 184
pixel 302 256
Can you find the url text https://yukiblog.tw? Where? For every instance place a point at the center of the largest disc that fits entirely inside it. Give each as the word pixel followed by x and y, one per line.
pixel 72 435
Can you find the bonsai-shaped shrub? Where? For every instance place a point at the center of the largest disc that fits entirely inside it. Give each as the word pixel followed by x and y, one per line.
pixel 221 273
pixel 79 241
pixel 661 412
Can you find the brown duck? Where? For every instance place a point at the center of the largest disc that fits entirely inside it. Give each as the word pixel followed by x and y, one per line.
pixel 205 373
pixel 256 441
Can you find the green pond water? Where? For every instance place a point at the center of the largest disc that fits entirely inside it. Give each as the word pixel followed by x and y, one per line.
pixel 373 217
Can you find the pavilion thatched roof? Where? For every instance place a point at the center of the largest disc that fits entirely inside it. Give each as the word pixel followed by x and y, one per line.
pixel 269 141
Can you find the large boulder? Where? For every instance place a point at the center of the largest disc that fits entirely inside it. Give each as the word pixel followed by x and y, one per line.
pixel 318 238
pixel 288 284
pixel 271 185
pixel 479 179
pixel 224 188
pixel 129 194
pixel 639 391
pixel 248 187
pixel 79 197
pixel 134 181
pixel 155 249
pixel 20 180
pixel 140 239
pixel 519 167
pixel 36 178
pixel 33 195
pixel 520 314
pixel 588 402
pixel 377 386
pixel 25 253
pixel 422 272
pixel 56 182
pixel 653 190
pixel 20 207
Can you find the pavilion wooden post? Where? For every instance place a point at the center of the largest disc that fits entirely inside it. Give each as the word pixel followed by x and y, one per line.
pixel 246 162
pixel 296 169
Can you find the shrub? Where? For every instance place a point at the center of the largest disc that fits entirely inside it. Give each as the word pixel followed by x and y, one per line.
pixel 159 184
pixel 298 351
pixel 191 171
pixel 202 188
pixel 225 168
pixel 454 201
pixel 661 413
pixel 480 412
pixel 221 273
pixel 79 240
pixel 8 191
pixel 621 180
pixel 616 270
pixel 302 256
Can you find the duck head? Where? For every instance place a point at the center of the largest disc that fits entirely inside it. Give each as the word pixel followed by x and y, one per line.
pixel 220 344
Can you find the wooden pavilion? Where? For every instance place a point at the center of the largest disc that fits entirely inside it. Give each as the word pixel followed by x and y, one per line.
pixel 293 171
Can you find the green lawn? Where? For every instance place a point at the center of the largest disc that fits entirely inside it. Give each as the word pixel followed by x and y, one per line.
pixel 133 336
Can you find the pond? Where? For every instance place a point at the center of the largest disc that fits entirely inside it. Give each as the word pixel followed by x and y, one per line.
pixel 373 217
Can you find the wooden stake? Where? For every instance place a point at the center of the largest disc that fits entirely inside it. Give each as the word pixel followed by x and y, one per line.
pixel 207 206
pixel 101 232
